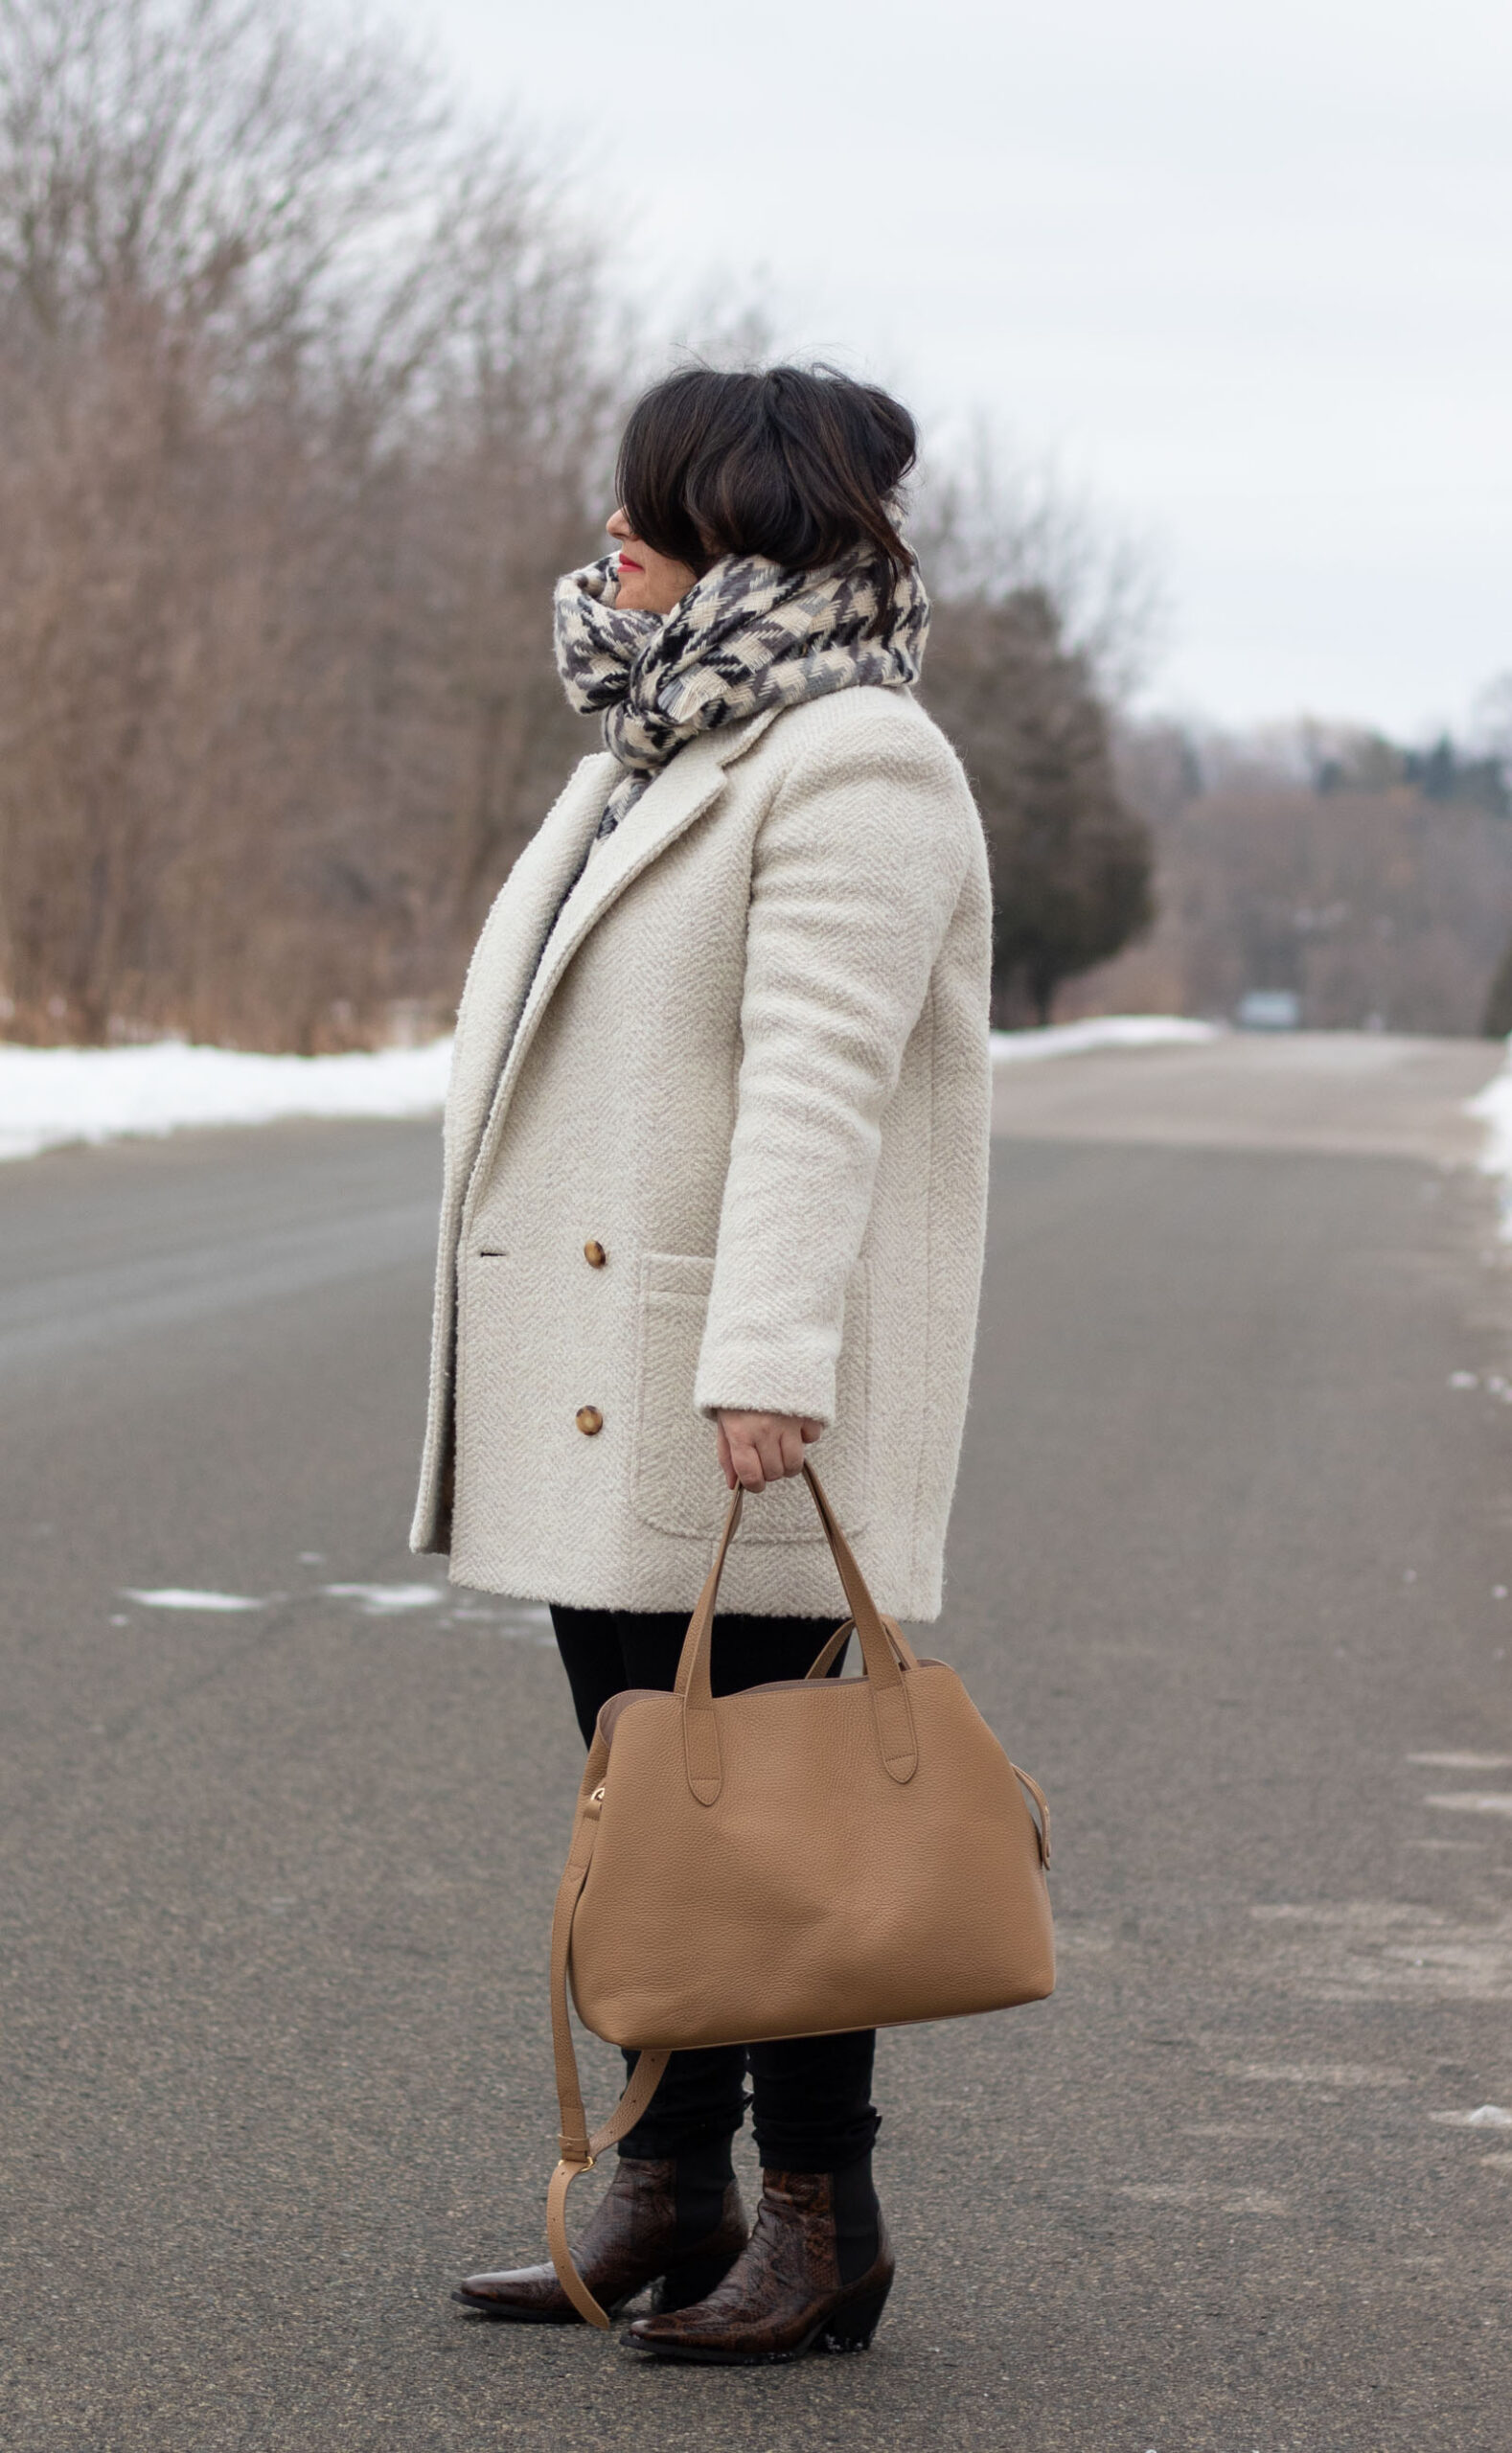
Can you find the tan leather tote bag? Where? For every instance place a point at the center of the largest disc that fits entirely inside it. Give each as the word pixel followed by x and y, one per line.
pixel 803 1858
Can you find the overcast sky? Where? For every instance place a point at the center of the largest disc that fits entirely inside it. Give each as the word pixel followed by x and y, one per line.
pixel 1244 271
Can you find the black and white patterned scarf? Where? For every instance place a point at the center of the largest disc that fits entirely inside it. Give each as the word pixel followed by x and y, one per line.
pixel 747 635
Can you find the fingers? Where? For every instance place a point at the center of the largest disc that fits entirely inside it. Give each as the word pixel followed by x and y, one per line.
pixel 757 1449
pixel 756 1453
pixel 812 1431
pixel 740 1460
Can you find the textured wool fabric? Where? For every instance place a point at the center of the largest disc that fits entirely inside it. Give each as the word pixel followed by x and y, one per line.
pixel 751 1069
pixel 747 635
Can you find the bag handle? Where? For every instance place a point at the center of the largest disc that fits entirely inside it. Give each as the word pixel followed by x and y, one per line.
pixel 891 1710
pixel 577 2150
pixel 841 1638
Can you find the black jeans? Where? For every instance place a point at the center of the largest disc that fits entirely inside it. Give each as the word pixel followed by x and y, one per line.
pixel 812 2094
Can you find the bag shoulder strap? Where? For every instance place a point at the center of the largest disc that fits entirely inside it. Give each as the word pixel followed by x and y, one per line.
pixel 577 2150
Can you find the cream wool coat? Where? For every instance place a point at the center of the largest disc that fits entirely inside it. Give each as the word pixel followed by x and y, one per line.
pixel 753 1072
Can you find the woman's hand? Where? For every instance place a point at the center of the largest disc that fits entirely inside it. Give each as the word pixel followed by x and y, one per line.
pixel 758 1448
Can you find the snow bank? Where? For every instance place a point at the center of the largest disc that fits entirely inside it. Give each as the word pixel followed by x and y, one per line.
pixel 1492 1106
pixel 49 1095
pixel 1102 1030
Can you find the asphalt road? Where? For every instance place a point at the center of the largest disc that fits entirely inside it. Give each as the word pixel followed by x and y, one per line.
pixel 1230 1572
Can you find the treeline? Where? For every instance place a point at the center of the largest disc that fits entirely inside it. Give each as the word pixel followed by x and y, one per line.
pixel 308 390
pixel 307 394
pixel 1373 880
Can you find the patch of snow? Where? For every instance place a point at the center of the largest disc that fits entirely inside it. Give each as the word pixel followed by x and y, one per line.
pixel 175 1596
pixel 1465 1762
pixel 382 1600
pixel 1474 1802
pixel 515 1613
pixel 1492 1106
pixel 1227 2201
pixel 1316 2073
pixel 1101 1030
pixel 1484 2116
pixel 52 1095
pixel 527 1622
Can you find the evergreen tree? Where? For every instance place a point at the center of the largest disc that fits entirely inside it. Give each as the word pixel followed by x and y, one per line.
pixel 1071 866
pixel 1498 1022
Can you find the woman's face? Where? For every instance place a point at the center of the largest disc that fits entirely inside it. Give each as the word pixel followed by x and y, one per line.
pixel 650 583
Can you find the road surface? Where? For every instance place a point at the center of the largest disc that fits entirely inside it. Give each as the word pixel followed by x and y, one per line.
pixel 1230 1572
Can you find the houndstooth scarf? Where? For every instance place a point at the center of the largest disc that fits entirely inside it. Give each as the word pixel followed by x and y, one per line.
pixel 747 635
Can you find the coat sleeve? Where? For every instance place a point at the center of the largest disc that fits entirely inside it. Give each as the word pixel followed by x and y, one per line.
pixel 857 868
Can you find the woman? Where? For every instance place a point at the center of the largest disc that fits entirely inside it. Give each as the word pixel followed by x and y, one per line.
pixel 716 1168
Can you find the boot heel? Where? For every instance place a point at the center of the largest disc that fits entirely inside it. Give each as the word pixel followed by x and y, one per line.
pixel 684 2285
pixel 852 2327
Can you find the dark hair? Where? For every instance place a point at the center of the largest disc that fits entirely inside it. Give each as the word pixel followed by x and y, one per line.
pixel 798 464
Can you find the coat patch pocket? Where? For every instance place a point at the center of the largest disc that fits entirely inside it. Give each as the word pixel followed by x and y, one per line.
pixel 678 1485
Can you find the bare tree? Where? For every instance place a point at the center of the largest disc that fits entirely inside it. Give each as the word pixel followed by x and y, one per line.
pixel 304 407
pixel 989 528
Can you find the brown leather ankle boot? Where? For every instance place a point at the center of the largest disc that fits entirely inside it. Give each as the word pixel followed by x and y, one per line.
pixel 677 2222
pixel 814 2276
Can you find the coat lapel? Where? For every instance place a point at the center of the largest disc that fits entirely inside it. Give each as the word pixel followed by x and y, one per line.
pixel 669 804
pixel 505 957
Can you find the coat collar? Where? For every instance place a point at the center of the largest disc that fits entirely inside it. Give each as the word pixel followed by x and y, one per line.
pixel 672 802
